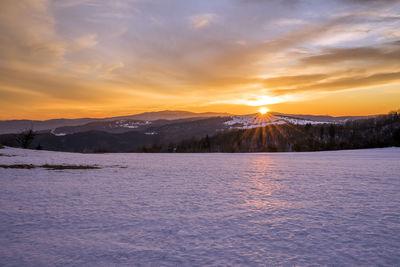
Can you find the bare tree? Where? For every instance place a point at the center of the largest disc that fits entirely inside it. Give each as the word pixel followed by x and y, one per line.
pixel 25 138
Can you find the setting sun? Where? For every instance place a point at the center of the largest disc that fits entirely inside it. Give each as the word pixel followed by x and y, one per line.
pixel 263 110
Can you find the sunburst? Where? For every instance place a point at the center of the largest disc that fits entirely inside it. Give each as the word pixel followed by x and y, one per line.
pixel 263 110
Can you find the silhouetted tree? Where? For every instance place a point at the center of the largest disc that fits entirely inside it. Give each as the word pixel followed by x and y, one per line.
pixel 322 133
pixel 24 139
pixel 365 133
pixel 332 131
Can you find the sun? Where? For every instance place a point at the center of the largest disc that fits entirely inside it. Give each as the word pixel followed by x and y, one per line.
pixel 263 110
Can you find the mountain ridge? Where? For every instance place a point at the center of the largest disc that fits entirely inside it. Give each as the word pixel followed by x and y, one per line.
pixel 16 126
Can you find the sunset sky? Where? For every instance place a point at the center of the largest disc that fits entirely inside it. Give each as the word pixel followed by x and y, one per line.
pixel 101 58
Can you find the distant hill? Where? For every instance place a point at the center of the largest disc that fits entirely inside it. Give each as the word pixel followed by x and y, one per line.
pixel 225 134
pixel 100 124
pixel 324 118
pixel 16 126
pixel 91 141
pixel 171 115
pixel 374 132
pixel 193 126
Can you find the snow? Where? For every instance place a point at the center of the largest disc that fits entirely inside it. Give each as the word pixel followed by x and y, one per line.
pixel 57 134
pixel 250 121
pixel 302 121
pixel 129 124
pixel 337 208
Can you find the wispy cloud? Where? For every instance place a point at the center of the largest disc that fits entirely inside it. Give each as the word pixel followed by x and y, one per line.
pixel 86 41
pixel 234 52
pixel 289 21
pixel 202 20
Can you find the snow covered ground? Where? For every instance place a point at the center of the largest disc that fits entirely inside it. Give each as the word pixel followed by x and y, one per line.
pixel 338 208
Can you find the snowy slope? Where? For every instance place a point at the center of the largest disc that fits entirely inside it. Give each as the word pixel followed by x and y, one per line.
pixel 254 121
pixel 336 208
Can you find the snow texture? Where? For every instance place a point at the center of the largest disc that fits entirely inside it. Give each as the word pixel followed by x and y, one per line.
pixel 338 208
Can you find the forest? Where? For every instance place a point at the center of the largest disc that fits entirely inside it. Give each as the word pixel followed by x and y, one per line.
pixel 373 132
pixel 380 131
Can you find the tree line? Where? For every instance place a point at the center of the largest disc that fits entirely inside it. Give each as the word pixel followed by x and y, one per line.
pixel 375 132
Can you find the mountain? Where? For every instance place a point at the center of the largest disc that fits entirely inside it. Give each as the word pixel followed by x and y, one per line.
pixel 171 115
pixel 213 124
pixel 375 132
pixel 16 126
pixel 127 123
pixel 323 118
pixel 146 132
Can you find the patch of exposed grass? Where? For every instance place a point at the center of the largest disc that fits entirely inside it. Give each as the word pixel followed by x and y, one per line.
pixel 70 167
pixel 5 155
pixel 50 167
pixel 18 166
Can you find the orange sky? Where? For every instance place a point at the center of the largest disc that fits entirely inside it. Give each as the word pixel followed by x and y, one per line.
pixel 92 58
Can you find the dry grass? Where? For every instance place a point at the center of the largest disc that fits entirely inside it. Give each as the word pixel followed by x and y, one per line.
pixel 70 167
pixel 5 155
pixel 18 166
pixel 50 167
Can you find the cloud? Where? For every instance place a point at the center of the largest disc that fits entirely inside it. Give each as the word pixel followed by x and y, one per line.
pixel 70 3
pixel 87 50
pixel 347 83
pixel 344 69
pixel 202 20
pixel 28 35
pixel 391 34
pixel 115 66
pixel 257 100
pixel 285 81
pixel 86 41
pixel 338 35
pixel 289 21
pixel 383 54
pixel 55 86
pixel 373 2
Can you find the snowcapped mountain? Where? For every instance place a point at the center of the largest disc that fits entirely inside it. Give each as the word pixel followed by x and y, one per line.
pixel 151 121
pixel 190 126
pixel 15 126
pixel 114 126
pixel 257 120
pixel 171 115
pixel 125 135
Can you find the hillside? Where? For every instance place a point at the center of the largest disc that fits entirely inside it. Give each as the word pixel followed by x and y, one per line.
pixel 16 126
pixel 382 131
pixel 247 133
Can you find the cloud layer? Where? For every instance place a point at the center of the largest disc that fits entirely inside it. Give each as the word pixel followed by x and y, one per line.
pixel 92 57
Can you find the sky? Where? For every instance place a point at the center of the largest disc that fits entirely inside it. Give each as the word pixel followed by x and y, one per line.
pixel 102 58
